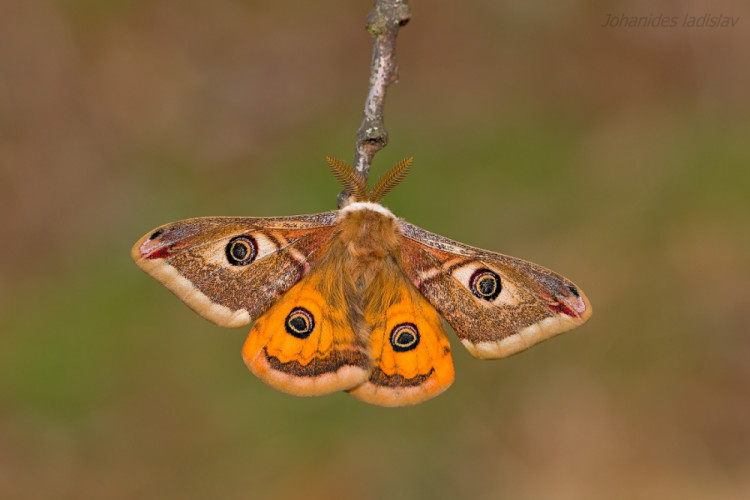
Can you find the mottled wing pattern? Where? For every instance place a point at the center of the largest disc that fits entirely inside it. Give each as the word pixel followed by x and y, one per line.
pixel 232 269
pixel 498 305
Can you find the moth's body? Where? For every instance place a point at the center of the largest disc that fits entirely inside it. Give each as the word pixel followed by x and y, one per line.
pixel 366 238
pixel 351 300
pixel 365 295
pixel 368 232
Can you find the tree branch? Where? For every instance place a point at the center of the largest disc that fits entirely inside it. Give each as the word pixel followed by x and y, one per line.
pixel 383 23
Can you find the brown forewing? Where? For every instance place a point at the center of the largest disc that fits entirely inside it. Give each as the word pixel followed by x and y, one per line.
pixel 194 249
pixel 534 293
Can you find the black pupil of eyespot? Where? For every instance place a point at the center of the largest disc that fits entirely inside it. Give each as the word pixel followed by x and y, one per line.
pixel 486 285
pixel 155 234
pixel 298 323
pixel 239 250
pixel 405 338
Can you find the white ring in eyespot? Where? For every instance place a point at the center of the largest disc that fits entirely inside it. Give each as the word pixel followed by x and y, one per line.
pixel 508 294
pixel 485 284
pixel 241 250
pixel 404 337
pixel 299 323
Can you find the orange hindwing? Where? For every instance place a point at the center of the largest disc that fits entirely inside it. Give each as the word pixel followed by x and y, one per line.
pixel 304 345
pixel 410 351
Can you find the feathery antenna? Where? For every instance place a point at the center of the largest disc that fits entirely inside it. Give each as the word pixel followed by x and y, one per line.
pixel 356 185
pixel 390 179
pixel 352 180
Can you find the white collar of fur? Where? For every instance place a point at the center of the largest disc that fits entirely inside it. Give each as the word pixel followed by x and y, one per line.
pixel 366 205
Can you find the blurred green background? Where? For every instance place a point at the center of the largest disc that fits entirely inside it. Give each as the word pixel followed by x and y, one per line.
pixel 617 157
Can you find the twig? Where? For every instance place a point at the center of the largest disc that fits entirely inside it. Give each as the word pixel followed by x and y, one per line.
pixel 383 23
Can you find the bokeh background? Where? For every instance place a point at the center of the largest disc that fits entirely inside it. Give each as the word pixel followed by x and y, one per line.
pixel 617 156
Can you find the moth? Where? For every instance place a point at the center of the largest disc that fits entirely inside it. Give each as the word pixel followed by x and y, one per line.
pixel 351 299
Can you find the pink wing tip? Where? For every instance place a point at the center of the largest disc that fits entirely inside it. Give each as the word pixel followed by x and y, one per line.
pixel 572 304
pixel 154 247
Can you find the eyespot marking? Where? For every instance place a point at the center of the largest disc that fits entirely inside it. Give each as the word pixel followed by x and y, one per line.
pixel 156 234
pixel 404 337
pixel 485 284
pixel 241 250
pixel 574 291
pixel 300 323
